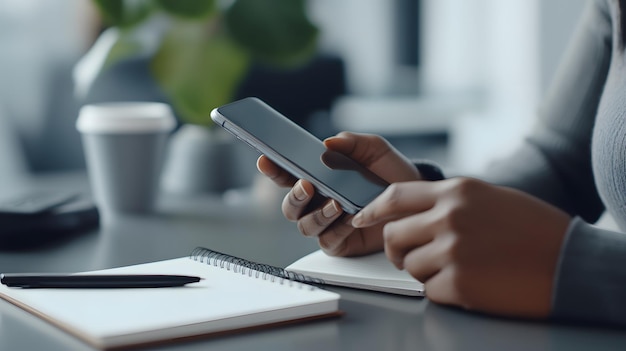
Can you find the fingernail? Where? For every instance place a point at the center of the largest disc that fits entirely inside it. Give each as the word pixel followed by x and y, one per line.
pixel 299 192
pixel 357 220
pixel 330 210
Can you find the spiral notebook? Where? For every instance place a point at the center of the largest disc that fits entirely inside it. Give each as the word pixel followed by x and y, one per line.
pixel 235 295
pixel 371 272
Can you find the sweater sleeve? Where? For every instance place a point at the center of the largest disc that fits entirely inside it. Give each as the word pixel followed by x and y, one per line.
pixel 554 164
pixel 428 170
pixel 590 276
pixel 554 161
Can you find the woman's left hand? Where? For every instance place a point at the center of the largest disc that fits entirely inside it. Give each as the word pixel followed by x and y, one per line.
pixel 474 245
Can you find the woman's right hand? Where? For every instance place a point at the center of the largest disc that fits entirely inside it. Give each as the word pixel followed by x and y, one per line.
pixel 323 218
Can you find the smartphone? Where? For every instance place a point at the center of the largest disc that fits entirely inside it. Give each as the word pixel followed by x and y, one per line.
pixel 299 152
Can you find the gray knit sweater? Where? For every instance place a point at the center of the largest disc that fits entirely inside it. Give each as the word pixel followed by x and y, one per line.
pixel 576 159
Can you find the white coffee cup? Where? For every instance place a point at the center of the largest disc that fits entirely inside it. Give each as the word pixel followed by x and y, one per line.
pixel 124 146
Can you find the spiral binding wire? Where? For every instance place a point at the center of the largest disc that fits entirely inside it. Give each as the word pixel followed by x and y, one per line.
pixel 250 268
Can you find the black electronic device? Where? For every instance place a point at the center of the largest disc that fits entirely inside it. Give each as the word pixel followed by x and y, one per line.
pixel 34 219
pixel 299 152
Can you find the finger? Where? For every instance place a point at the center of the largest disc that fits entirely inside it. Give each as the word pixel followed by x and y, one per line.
pixel 441 289
pixel 424 262
pixel 297 200
pixel 397 201
pixel 274 172
pixel 375 153
pixel 364 148
pixel 359 242
pixel 407 234
pixel 318 220
pixel 333 239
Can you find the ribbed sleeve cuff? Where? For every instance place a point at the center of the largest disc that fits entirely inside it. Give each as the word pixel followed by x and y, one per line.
pixel 429 170
pixel 590 283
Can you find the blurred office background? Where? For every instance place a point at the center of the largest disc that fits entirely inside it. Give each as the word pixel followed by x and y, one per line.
pixel 458 81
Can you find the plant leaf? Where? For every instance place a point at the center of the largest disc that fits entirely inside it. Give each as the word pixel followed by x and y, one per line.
pixel 199 70
pixel 277 31
pixel 124 13
pixel 193 9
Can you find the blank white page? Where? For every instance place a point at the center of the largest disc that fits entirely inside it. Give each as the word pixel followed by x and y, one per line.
pixel 224 300
pixel 371 272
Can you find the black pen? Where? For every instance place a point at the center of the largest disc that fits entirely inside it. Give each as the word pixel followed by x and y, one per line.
pixel 32 280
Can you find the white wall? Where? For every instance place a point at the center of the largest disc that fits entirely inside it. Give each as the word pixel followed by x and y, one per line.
pixel 557 19
pixel 361 32
pixel 510 76
pixel 502 53
pixel 36 35
pixel 527 38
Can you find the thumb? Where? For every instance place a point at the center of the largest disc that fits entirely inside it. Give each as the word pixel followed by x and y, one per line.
pixel 375 153
pixel 363 148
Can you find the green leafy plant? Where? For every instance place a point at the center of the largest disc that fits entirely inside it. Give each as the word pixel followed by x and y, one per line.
pixel 200 50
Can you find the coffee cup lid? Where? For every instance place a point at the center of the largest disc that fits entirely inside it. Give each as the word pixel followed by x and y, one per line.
pixel 125 117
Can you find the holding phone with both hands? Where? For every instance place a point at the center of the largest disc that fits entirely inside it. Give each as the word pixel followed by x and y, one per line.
pixel 299 152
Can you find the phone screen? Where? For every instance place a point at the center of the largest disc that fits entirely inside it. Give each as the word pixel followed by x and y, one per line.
pixel 300 152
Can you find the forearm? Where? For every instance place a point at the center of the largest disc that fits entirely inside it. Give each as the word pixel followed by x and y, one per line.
pixel 560 183
pixel 591 276
pixel 554 163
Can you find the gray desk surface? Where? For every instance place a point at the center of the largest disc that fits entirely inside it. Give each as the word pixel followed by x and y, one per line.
pixel 373 321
